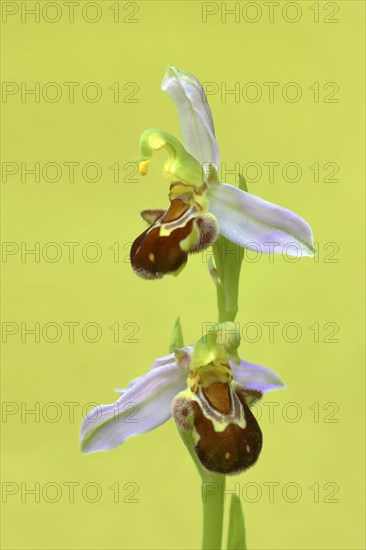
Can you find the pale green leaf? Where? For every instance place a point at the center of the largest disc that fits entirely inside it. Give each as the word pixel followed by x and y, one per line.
pixel 236 535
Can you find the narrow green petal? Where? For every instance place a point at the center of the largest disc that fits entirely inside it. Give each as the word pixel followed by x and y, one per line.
pixel 176 341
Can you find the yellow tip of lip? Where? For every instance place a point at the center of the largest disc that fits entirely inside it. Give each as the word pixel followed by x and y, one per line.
pixel 143 167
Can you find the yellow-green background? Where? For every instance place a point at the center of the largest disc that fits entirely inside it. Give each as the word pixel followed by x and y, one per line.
pixel 168 514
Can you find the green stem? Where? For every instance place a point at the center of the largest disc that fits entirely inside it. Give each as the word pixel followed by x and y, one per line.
pixel 228 259
pixel 225 271
pixel 212 493
pixel 225 313
pixel 227 262
pixel 213 490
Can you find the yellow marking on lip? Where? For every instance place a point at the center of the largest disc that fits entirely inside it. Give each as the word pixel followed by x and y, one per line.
pixel 187 243
pixel 225 419
pixel 151 257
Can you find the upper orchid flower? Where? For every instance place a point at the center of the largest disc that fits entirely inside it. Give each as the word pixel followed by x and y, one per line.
pixel 208 389
pixel 201 206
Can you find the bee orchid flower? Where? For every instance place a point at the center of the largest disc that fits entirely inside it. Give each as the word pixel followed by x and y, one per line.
pixel 201 206
pixel 207 389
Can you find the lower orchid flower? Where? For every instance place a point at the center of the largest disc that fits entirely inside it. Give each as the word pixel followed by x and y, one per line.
pixel 201 207
pixel 207 389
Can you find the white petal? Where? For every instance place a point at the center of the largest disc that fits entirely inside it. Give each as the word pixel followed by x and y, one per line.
pixel 194 114
pixel 186 353
pixel 144 405
pixel 252 222
pixel 256 377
